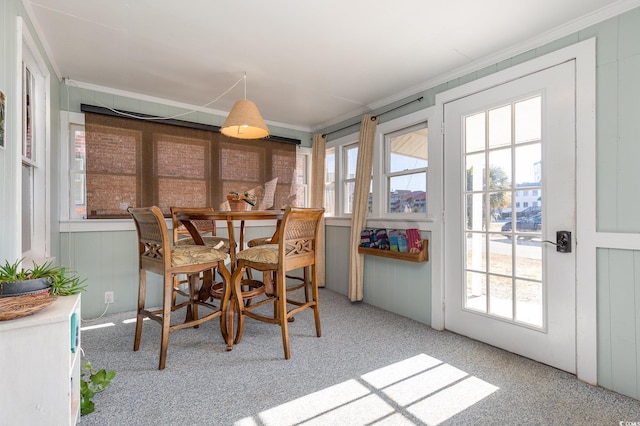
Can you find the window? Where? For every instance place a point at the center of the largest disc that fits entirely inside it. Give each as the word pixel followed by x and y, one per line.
pixel 398 188
pixel 78 160
pixel 35 139
pixel 29 165
pixel 301 182
pixel 176 166
pixel 350 158
pixel 330 182
pixel 406 162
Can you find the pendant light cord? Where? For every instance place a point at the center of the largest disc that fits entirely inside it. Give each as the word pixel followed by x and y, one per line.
pixel 245 85
pixel 69 82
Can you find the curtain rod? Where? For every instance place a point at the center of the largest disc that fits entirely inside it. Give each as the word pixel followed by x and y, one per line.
pixel 174 122
pixel 374 117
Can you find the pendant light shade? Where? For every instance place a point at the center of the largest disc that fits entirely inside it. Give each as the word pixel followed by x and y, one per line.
pixel 245 122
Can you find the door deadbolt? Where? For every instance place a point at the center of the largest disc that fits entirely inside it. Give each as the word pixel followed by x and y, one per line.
pixel 563 241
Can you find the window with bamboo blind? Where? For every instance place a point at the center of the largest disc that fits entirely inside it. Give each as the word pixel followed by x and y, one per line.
pixel 138 163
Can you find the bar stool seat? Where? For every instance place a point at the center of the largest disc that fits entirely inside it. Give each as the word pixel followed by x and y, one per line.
pixel 157 255
pixel 296 248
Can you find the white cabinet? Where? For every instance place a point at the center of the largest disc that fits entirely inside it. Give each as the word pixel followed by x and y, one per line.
pixel 40 366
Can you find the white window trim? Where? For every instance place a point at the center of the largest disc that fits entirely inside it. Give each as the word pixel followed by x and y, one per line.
pixel 67 119
pixel 379 217
pixel 387 174
pixel 380 156
pixel 338 146
pixel 27 50
pixel 327 182
pixel 345 181
pixel 305 152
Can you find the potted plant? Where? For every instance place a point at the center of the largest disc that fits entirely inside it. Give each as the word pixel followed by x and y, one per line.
pixel 92 382
pixel 56 280
pixel 27 291
pixel 239 201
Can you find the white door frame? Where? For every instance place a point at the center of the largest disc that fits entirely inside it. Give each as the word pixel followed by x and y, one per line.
pixel 584 54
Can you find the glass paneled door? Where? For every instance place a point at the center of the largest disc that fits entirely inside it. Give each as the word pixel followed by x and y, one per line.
pixel 503 211
pixel 510 151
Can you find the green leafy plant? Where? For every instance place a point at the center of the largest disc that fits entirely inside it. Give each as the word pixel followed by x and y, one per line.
pixel 64 281
pixel 92 381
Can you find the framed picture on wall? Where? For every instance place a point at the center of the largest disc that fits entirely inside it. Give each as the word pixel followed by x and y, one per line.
pixel 3 106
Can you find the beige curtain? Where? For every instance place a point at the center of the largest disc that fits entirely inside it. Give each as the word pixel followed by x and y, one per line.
pixel 317 196
pixel 360 204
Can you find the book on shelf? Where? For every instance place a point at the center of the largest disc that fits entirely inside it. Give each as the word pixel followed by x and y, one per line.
pixel 403 247
pixel 382 239
pixel 393 239
pixel 414 240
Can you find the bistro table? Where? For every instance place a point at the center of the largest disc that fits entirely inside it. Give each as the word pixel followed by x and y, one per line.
pixel 186 216
pixel 235 244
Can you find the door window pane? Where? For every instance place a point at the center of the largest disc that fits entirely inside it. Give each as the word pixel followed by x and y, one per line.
pixel 528 164
pixel 500 126
pixel 475 172
pixel 500 296
pixel 476 211
pixel 476 292
pixel 476 251
pixel 474 132
pixel 529 302
pixel 500 255
pixel 500 169
pixel 528 120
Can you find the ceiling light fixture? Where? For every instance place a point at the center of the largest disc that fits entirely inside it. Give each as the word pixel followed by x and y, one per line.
pixel 244 120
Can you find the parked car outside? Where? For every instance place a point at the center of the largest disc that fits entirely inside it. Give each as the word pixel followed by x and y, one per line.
pixel 526 224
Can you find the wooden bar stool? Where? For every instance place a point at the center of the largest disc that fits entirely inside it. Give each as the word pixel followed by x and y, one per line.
pixel 295 249
pixel 158 256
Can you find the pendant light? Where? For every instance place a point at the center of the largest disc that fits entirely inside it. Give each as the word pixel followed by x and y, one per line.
pixel 244 120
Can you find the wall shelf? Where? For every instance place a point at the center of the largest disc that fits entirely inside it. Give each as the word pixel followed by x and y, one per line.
pixel 421 256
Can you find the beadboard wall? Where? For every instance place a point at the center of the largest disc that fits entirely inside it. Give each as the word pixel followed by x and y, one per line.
pixel 394 285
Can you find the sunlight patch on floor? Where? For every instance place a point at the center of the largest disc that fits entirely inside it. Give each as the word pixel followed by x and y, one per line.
pixel 421 387
pixel 93 327
pixel 452 400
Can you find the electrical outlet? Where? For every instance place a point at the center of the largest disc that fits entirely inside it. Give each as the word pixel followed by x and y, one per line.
pixel 108 297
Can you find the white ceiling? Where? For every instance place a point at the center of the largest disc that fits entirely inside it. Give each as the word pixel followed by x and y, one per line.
pixel 309 64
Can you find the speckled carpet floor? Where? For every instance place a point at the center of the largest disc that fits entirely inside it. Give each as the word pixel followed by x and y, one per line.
pixel 370 367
